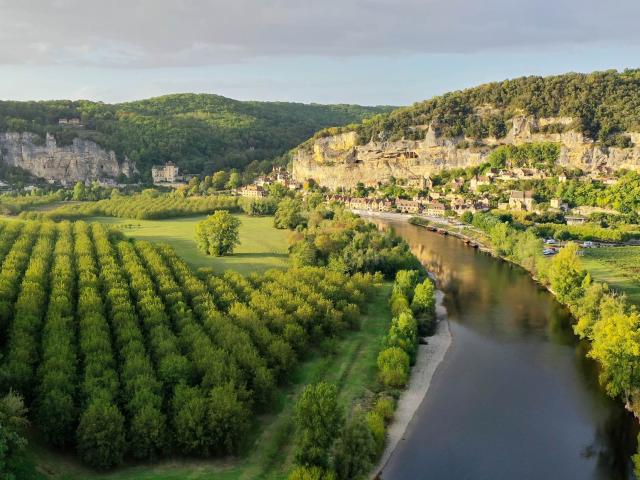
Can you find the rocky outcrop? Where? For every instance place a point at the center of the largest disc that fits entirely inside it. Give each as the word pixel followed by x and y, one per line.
pixel 81 161
pixel 338 160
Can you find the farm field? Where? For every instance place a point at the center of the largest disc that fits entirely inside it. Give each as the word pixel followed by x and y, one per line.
pixel 124 354
pixel 261 245
pixel 352 367
pixel 617 266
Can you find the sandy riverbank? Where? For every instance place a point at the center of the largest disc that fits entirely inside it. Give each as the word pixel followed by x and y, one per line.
pixel 427 361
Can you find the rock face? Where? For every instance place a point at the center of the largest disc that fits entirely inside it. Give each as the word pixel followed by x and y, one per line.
pixel 337 161
pixel 82 160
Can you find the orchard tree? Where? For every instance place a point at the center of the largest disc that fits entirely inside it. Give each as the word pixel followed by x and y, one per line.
pixel 12 442
pixel 218 234
pixel 318 418
pixel 101 435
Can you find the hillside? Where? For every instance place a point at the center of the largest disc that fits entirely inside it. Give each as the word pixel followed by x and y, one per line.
pixel 199 132
pixel 594 118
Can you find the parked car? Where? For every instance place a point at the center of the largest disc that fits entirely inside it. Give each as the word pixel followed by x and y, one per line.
pixel 588 244
pixel 549 251
pixel 550 241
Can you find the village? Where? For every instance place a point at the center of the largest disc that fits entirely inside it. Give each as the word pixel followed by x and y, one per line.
pixel 495 189
pixel 509 190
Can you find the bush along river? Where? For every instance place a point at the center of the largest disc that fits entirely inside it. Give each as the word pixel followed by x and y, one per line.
pixel 515 396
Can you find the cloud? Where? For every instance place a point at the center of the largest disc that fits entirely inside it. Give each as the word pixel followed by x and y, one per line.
pixel 170 33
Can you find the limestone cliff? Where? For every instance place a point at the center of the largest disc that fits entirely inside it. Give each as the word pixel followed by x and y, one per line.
pixel 339 161
pixel 80 161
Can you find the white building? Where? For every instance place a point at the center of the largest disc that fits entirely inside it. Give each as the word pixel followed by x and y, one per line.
pixel 167 173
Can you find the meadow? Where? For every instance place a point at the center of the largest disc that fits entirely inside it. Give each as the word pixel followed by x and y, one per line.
pixel 261 245
pixel 619 267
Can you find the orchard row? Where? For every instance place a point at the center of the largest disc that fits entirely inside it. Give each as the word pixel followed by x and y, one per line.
pixel 121 350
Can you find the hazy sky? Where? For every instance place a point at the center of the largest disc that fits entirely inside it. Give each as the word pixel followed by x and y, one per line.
pixel 355 51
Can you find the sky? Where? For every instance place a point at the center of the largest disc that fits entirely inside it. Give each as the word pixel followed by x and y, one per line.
pixel 371 52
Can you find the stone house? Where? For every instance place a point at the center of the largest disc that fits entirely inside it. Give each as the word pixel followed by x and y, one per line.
pixel 521 200
pixel 419 182
pixel 436 209
pixel 408 206
pixel 479 181
pixel 457 184
pixel 558 204
pixel 253 191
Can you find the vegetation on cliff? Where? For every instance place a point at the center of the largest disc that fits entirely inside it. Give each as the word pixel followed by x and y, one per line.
pixel 198 132
pixel 602 104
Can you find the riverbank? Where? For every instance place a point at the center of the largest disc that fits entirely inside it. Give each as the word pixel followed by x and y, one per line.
pixel 507 330
pixel 428 359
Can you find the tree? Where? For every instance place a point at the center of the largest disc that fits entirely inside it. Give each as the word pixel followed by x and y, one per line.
pixel 219 180
pixel 356 449
pixel 502 239
pixel 404 334
pixel 616 346
pixel 277 190
pixel 393 367
pixel 587 311
pixel 79 191
pixel 218 234
pixel 289 214
pixel 101 438
pixel 423 305
pixel 318 420
pixel 303 254
pixel 467 217
pixel 235 180
pixel 12 442
pixel 227 418
pixel 566 274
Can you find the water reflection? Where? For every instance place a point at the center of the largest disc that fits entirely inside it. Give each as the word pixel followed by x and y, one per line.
pixel 516 397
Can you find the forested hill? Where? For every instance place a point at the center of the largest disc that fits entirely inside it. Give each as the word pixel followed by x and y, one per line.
pixel 601 104
pixel 199 132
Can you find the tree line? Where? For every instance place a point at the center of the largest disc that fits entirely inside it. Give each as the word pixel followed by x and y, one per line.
pixel 335 444
pixel 154 205
pixel 605 318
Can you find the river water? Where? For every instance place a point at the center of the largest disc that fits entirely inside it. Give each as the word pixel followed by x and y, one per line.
pixel 515 397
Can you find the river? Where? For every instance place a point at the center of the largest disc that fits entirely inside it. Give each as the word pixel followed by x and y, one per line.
pixel 515 397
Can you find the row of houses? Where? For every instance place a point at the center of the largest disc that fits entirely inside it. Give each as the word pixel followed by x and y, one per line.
pixel 425 206
pixel 601 174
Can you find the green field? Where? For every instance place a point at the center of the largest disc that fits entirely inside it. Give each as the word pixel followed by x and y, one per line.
pixel 351 366
pixel 261 245
pixel 619 267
